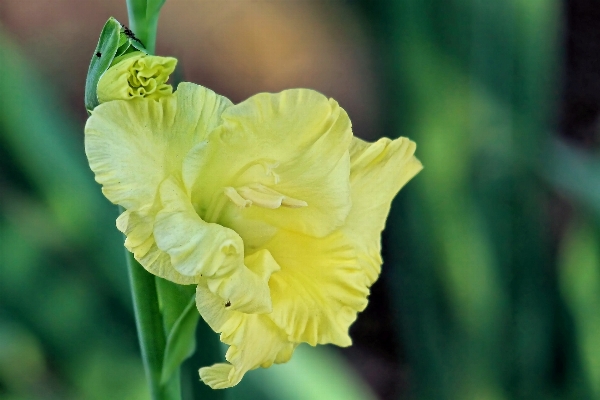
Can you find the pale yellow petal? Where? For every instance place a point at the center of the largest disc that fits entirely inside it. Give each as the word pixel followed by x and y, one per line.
pixel 211 251
pixel 136 75
pixel 378 171
pixel 319 289
pixel 255 341
pixel 132 146
pixel 294 143
pixel 255 233
pixel 138 226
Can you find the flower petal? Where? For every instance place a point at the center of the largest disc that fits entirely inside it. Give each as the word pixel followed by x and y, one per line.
pixel 319 289
pixel 136 75
pixel 378 171
pixel 294 143
pixel 138 226
pixel 254 339
pixel 211 251
pixel 132 146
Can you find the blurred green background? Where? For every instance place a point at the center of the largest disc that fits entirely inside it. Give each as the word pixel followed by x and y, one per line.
pixel 491 282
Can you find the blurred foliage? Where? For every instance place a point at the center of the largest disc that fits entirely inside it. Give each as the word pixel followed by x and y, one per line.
pixel 491 300
pixel 473 269
pixel 580 286
pixel 65 316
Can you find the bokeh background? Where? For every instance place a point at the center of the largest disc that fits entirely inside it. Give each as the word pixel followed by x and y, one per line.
pixel 491 282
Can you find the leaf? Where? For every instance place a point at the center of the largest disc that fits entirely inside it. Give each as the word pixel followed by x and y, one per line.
pixel 579 279
pixel 124 45
pixel 181 341
pixel 180 317
pixel 137 45
pixel 101 60
pixel 173 300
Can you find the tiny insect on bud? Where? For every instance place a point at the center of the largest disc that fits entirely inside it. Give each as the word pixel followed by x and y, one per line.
pixel 129 33
pixel 98 54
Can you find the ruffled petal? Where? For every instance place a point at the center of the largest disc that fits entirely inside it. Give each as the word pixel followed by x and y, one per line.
pixel 255 341
pixel 138 226
pixel 285 155
pixel 136 75
pixel 132 146
pixel 320 288
pixel 378 171
pixel 213 252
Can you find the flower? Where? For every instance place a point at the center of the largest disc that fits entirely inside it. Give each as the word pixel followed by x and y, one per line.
pixel 270 206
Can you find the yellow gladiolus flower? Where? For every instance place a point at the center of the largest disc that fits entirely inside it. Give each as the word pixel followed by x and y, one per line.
pixel 270 206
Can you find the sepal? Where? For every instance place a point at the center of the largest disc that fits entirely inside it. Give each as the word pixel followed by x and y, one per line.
pixel 115 40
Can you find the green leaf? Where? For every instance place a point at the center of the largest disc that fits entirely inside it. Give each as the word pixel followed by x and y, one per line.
pixel 181 341
pixel 137 45
pixel 173 300
pixel 150 330
pixel 180 317
pixel 579 278
pixel 115 40
pixel 103 56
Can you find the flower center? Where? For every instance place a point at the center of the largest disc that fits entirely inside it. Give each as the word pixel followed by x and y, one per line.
pixel 262 175
pixel 262 196
pixel 258 193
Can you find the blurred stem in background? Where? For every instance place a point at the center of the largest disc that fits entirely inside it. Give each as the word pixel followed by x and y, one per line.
pixel 63 295
pixel 580 285
pixel 473 275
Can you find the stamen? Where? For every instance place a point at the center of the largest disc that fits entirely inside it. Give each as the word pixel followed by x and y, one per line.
pixel 293 203
pixel 266 197
pixel 266 200
pixel 269 171
pixel 236 198
pixel 258 193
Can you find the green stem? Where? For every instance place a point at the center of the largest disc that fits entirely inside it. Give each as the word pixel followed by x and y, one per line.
pixel 143 21
pixel 148 322
pixel 151 35
pixel 148 316
pixel 151 335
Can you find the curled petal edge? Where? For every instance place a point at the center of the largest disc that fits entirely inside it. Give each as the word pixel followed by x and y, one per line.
pixel 255 341
pixel 212 253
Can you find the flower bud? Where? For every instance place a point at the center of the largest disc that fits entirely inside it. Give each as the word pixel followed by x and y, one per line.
pixel 136 75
